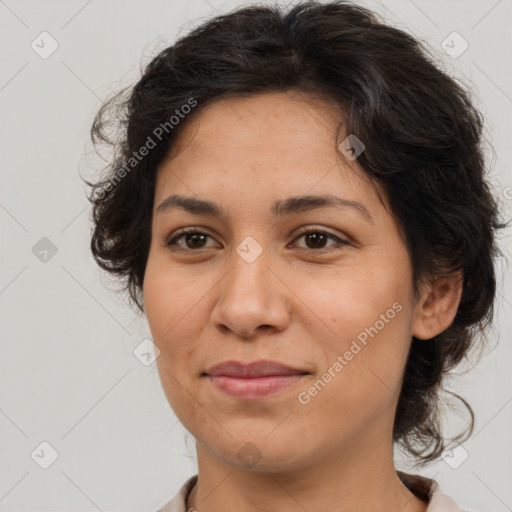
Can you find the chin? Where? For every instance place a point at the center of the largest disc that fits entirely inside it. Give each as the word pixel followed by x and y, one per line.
pixel 259 452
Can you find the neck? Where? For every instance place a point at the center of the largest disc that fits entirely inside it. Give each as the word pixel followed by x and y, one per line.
pixel 346 481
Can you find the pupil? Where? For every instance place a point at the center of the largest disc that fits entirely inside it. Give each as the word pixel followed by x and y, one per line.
pixel 320 238
pixel 194 236
pixel 317 239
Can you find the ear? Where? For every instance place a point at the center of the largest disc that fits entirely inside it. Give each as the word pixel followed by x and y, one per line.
pixel 437 307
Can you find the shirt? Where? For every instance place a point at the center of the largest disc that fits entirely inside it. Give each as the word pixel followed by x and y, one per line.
pixel 424 488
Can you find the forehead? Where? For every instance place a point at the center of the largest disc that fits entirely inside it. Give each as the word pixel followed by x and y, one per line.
pixel 278 120
pixel 274 143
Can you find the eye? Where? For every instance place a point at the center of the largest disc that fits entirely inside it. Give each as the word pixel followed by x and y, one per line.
pixel 315 240
pixel 194 239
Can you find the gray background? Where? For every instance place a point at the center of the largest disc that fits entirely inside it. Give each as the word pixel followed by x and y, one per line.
pixel 68 373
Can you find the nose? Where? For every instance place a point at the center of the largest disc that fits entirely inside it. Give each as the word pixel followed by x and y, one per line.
pixel 252 297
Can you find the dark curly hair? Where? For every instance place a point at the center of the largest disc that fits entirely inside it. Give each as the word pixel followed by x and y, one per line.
pixel 424 146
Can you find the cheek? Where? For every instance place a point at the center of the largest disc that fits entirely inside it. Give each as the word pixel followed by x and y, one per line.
pixel 169 299
pixel 167 314
pixel 352 298
pixel 369 321
pixel 168 311
pixel 358 387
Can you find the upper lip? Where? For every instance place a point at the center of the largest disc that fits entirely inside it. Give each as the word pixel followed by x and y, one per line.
pixel 261 368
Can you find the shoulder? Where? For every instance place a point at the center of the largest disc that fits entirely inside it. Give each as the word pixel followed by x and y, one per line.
pixel 440 502
pixel 429 491
pixel 425 488
pixel 177 504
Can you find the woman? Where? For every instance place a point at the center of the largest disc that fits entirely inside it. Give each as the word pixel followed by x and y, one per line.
pixel 298 204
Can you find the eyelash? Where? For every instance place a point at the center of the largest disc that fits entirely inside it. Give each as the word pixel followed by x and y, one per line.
pixel 171 242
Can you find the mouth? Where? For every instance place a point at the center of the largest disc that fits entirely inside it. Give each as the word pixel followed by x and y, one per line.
pixel 255 380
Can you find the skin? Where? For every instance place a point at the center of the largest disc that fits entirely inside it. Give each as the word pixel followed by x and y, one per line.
pixel 206 304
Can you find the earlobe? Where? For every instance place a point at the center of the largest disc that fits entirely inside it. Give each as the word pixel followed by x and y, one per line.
pixel 437 306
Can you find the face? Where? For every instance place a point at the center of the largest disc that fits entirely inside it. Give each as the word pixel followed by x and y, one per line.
pixel 324 289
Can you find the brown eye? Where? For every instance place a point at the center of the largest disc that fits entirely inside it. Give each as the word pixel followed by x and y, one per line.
pixel 196 239
pixel 193 240
pixel 316 239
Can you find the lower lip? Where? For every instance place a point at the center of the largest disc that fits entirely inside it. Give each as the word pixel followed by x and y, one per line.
pixel 252 388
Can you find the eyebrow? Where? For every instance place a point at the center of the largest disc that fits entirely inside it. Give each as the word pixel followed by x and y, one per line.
pixel 279 208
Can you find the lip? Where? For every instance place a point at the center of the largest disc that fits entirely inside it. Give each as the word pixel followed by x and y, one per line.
pixel 262 368
pixel 254 380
